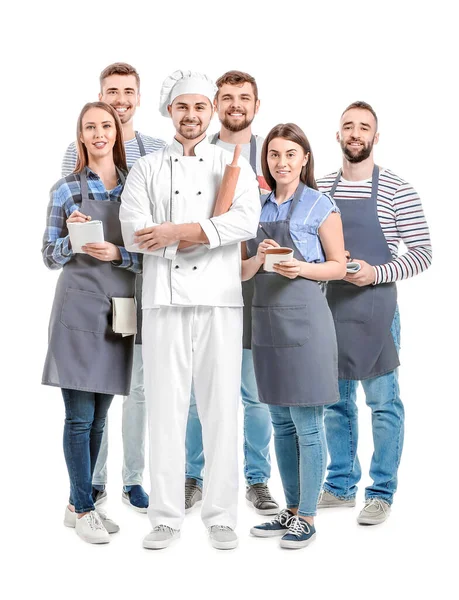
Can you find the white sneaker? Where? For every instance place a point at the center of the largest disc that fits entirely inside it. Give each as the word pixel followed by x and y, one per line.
pixel 375 511
pixel 160 537
pixel 70 520
pixel 91 530
pixel 222 537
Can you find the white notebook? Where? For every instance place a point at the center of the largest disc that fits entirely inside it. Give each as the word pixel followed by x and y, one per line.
pixel 85 233
pixel 353 267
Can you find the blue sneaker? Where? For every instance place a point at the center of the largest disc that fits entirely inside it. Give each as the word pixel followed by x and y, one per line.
pixel 135 497
pixel 278 526
pixel 299 534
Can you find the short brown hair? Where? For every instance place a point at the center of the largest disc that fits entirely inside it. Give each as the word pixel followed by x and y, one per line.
pixel 237 78
pixel 119 68
pixel 289 131
pixel 119 153
pixel 364 106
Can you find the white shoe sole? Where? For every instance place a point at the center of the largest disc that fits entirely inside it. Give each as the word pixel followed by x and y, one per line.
pixel 265 511
pixel 224 545
pixel 136 508
pixel 338 505
pixel 160 544
pixel 292 545
pixel 370 521
pixel 92 540
pixel 267 534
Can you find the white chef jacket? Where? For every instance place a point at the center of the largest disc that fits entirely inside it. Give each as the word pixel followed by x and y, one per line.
pixel 168 186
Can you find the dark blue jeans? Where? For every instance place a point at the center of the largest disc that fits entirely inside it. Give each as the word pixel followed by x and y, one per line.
pixel 85 414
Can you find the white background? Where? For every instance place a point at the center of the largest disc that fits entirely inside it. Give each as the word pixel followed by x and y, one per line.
pixel 310 62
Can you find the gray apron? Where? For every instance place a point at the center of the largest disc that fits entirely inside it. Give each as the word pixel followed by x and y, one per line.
pixel 83 351
pixel 139 277
pixel 293 337
pixel 363 315
pixel 247 286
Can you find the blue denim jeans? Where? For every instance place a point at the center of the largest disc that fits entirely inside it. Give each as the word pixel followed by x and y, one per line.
pixel 85 414
pixel 257 431
pixel 382 395
pixel 299 440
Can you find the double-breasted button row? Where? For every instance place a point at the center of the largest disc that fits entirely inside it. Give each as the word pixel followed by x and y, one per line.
pixel 178 267
pixel 177 192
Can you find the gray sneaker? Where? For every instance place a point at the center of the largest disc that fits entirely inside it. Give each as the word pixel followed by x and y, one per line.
pixel 374 512
pixel 222 537
pixel 327 500
pixel 193 494
pixel 99 496
pixel 160 537
pixel 259 496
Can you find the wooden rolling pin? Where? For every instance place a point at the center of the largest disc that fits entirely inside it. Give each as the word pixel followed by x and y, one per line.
pixel 228 186
pixel 226 192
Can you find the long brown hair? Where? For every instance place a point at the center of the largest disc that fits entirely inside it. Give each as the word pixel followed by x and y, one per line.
pixel 119 154
pixel 289 131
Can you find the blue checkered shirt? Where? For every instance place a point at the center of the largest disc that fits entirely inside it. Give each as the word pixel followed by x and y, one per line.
pixel 65 198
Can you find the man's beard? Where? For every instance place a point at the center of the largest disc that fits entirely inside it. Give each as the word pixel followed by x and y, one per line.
pixel 235 127
pixel 192 134
pixel 356 157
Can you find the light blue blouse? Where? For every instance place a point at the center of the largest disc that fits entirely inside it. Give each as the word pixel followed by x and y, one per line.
pixel 312 210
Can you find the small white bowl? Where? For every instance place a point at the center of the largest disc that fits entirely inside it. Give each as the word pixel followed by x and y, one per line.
pixel 275 256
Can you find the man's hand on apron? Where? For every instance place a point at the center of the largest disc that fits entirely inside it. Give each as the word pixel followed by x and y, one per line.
pixel 288 268
pixel 366 275
pixel 157 236
pixel 105 251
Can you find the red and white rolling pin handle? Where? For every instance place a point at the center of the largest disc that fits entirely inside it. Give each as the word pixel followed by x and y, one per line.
pixel 226 192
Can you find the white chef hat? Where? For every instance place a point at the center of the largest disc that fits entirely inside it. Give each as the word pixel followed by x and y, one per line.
pixel 185 82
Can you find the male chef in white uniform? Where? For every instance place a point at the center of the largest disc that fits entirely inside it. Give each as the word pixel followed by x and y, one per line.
pixel 192 307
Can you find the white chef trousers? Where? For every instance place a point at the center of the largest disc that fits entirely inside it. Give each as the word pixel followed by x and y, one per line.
pixel 202 345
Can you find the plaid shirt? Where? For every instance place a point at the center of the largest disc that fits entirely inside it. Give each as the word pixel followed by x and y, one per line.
pixel 65 198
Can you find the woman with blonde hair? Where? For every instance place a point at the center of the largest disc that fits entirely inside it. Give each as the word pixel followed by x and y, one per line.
pixel 86 358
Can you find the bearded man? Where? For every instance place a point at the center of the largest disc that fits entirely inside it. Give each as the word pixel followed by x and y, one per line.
pixel 192 307
pixel 379 210
pixel 236 104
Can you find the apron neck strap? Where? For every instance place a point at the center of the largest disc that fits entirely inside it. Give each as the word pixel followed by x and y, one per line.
pixel 84 183
pixel 140 144
pixel 121 176
pixel 253 150
pixel 84 186
pixel 296 198
pixel 374 183
pixel 253 154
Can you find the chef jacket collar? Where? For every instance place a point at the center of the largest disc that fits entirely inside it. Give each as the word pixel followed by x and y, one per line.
pixel 202 148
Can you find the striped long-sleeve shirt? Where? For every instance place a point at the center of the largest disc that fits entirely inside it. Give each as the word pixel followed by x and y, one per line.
pixel 131 147
pixel 401 217
pixel 65 198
